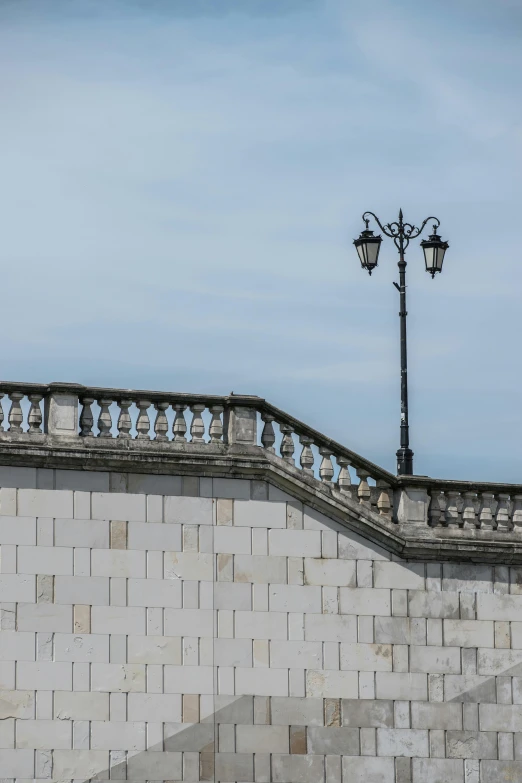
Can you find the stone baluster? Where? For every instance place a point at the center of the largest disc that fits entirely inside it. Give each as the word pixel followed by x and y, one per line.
pixel 486 512
pixel 344 480
pixel 143 421
pixel 363 490
pixel 268 434
pixel 517 513
pixel 306 460
pixel 16 416
pixel 161 425
pixel 326 470
pixel 436 511
pixel 35 414
pixel 124 420
pixel 287 444
pixel 197 427
pixel 503 516
pixel 383 501
pixel 179 428
pixel 86 418
pixel 105 419
pixel 1 414
pixel 469 513
pixel 453 517
pixel 216 424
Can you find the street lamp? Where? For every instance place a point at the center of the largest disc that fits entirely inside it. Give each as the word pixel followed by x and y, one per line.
pixel 368 246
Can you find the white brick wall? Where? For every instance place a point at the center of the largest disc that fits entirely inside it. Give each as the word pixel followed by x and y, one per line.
pixel 155 637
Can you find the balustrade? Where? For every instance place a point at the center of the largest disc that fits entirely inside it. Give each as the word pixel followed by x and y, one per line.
pixel 152 419
pixel 472 510
pixel 376 496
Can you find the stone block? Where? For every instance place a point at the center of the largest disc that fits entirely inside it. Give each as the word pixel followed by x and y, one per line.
pixel 500 717
pixel 434 605
pixel 357 713
pixel 471 744
pixel 44 676
pixel 366 657
pixel 297 711
pixel 81 647
pixel 124 735
pixel 273 682
pixel 294 598
pixel 197 566
pixel 126 507
pixel 233 595
pixel 154 649
pixel 296 654
pixel 233 540
pixel 330 628
pixel 189 622
pixel 154 592
pixel 17 646
pixel 403 686
pixel 231 488
pixel 17 704
pixel 189 737
pixel 333 741
pixel 320 571
pixel 499 662
pixel 392 630
pixel 294 543
pixel 436 715
pixel 42 734
pixel 17 587
pixel 45 560
pixel 151 707
pixel 93 590
pixel 261 739
pixel 332 684
pixel 118 677
pixel 368 769
pixel 17 763
pixel 435 660
pixel 17 530
pixel 258 513
pixel 118 619
pixel 437 770
pixel 259 569
pixel 154 765
pixel 289 768
pixel 261 625
pixel 14 476
pixel 154 536
pixel 404 576
pixel 403 742
pixel 234 766
pixel 496 771
pixel 364 600
pixel 467 578
pixel 189 679
pixel 499 607
pixel 118 562
pixel 45 503
pixel 93 533
pixel 469 688
pixel 469 633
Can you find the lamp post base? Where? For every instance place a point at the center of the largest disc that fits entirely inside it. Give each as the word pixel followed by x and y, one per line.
pixel 405 462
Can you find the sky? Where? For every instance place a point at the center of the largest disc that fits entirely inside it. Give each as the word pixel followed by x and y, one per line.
pixel 181 182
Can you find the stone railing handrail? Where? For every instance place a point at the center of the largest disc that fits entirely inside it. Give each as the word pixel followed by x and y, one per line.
pixel 244 425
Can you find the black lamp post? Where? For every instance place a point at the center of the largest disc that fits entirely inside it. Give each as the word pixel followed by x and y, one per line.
pixel 434 248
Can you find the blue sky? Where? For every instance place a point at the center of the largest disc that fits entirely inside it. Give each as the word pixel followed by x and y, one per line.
pixel 181 183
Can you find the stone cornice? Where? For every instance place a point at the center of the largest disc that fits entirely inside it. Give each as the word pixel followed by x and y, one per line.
pixel 408 538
